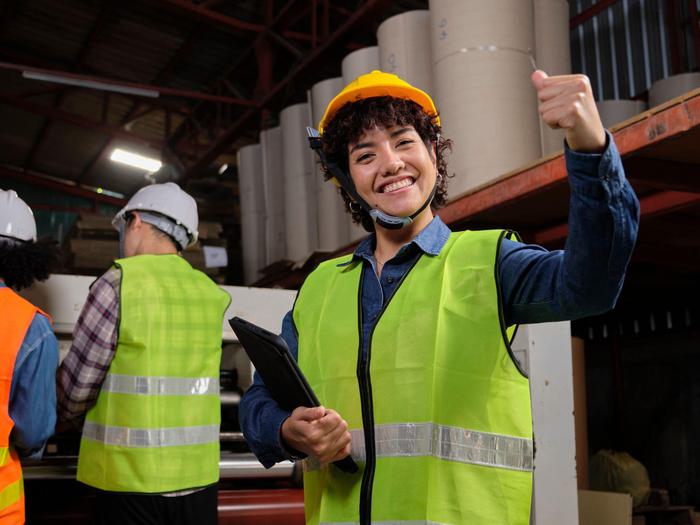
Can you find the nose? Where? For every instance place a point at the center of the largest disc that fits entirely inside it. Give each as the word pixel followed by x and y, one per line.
pixel 392 163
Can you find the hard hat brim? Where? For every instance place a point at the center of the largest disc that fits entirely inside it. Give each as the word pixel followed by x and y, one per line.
pixel 354 94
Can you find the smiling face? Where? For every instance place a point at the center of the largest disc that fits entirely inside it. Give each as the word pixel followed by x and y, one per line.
pixel 393 170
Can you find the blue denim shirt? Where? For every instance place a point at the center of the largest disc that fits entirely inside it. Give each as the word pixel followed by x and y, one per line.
pixel 33 390
pixel 536 285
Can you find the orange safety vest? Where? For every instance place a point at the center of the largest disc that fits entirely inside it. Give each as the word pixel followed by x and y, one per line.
pixel 16 314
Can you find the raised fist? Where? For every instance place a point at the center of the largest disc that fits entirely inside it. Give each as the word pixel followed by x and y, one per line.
pixel 566 102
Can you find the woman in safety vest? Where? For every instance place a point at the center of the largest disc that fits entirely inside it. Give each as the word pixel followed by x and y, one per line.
pixel 28 352
pixel 406 341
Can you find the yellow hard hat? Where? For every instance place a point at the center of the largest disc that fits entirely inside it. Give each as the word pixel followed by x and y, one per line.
pixel 378 84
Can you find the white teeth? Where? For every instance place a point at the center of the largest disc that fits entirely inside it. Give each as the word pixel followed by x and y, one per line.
pixel 397 185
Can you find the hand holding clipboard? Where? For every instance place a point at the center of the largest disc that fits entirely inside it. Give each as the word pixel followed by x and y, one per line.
pixel 280 372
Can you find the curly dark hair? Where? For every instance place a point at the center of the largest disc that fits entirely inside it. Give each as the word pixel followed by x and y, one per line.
pixel 23 262
pixel 354 118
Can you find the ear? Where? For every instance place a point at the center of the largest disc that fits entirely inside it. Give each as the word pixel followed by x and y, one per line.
pixel 136 222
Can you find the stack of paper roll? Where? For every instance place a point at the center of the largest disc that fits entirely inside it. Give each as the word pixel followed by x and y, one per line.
pixel 359 62
pixel 299 184
pixel 273 181
pixel 488 106
pixel 404 48
pixel 552 55
pixel 669 88
pixel 615 111
pixel 252 199
pixel 333 220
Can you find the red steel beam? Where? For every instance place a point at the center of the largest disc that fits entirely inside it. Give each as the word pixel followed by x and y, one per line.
pixel 228 21
pixel 281 14
pixel 76 120
pixel 510 189
pixel 64 187
pixel 261 507
pixel 670 122
pixel 314 56
pixel 102 18
pixel 589 13
pixel 650 206
pixel 157 90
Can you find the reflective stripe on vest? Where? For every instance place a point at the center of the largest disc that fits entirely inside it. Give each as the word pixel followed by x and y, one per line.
pixel 161 386
pixel 11 494
pixel 150 437
pixel 444 442
pixel 405 522
pixel 4 456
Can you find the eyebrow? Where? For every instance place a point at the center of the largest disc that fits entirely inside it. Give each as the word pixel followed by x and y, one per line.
pixel 393 134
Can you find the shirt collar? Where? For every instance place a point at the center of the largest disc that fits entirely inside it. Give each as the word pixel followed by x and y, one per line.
pixel 430 241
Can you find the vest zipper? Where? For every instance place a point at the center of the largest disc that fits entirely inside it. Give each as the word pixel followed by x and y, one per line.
pixel 367 418
pixel 363 377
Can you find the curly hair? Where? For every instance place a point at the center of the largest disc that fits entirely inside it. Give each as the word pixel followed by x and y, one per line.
pixel 354 118
pixel 23 262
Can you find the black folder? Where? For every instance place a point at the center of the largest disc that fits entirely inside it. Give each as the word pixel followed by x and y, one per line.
pixel 279 371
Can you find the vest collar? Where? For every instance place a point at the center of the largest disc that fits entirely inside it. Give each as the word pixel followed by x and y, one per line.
pixel 430 241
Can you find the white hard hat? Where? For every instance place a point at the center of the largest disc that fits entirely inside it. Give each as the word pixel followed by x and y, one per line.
pixel 16 218
pixel 167 199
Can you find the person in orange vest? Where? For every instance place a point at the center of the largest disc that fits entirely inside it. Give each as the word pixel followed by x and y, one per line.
pixel 28 352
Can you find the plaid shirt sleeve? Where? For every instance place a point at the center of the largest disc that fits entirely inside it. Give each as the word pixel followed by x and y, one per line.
pixel 84 368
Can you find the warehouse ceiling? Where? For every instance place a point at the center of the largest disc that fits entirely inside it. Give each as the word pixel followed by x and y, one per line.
pixel 186 81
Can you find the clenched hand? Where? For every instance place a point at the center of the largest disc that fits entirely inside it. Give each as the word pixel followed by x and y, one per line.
pixel 317 432
pixel 566 102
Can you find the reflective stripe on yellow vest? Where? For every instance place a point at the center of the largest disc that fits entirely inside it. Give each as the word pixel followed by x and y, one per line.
pixel 16 315
pixel 441 417
pixel 155 426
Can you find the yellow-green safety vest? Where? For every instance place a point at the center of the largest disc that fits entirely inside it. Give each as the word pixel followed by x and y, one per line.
pixel 439 412
pixel 155 425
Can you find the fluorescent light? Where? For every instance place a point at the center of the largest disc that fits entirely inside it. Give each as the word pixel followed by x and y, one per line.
pixel 93 84
pixel 137 161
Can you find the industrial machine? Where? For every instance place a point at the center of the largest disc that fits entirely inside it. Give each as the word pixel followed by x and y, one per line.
pixel 249 494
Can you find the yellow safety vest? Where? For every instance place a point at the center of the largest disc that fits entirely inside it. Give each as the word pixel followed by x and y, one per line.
pixel 155 426
pixel 439 411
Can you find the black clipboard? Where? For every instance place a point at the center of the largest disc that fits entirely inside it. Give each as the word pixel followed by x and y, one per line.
pixel 280 372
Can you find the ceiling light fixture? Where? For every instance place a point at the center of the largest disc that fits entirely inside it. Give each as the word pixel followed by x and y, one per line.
pixel 137 161
pixel 94 84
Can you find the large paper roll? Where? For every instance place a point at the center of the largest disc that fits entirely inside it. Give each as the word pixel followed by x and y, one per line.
pixel 404 48
pixel 552 55
pixel 273 180
pixel 252 199
pixel 299 184
pixel 669 88
pixel 359 62
pixel 615 111
pixel 488 106
pixel 333 220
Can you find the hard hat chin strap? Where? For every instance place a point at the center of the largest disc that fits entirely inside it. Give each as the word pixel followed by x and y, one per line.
pixel 390 222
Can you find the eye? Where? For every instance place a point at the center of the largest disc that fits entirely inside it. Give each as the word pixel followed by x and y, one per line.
pixel 404 142
pixel 363 157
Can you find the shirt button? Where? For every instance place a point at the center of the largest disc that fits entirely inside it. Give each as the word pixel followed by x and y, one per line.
pixel 389 279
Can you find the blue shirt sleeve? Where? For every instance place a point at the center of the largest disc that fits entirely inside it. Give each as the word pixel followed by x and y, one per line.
pixel 261 417
pixel 586 277
pixel 33 391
